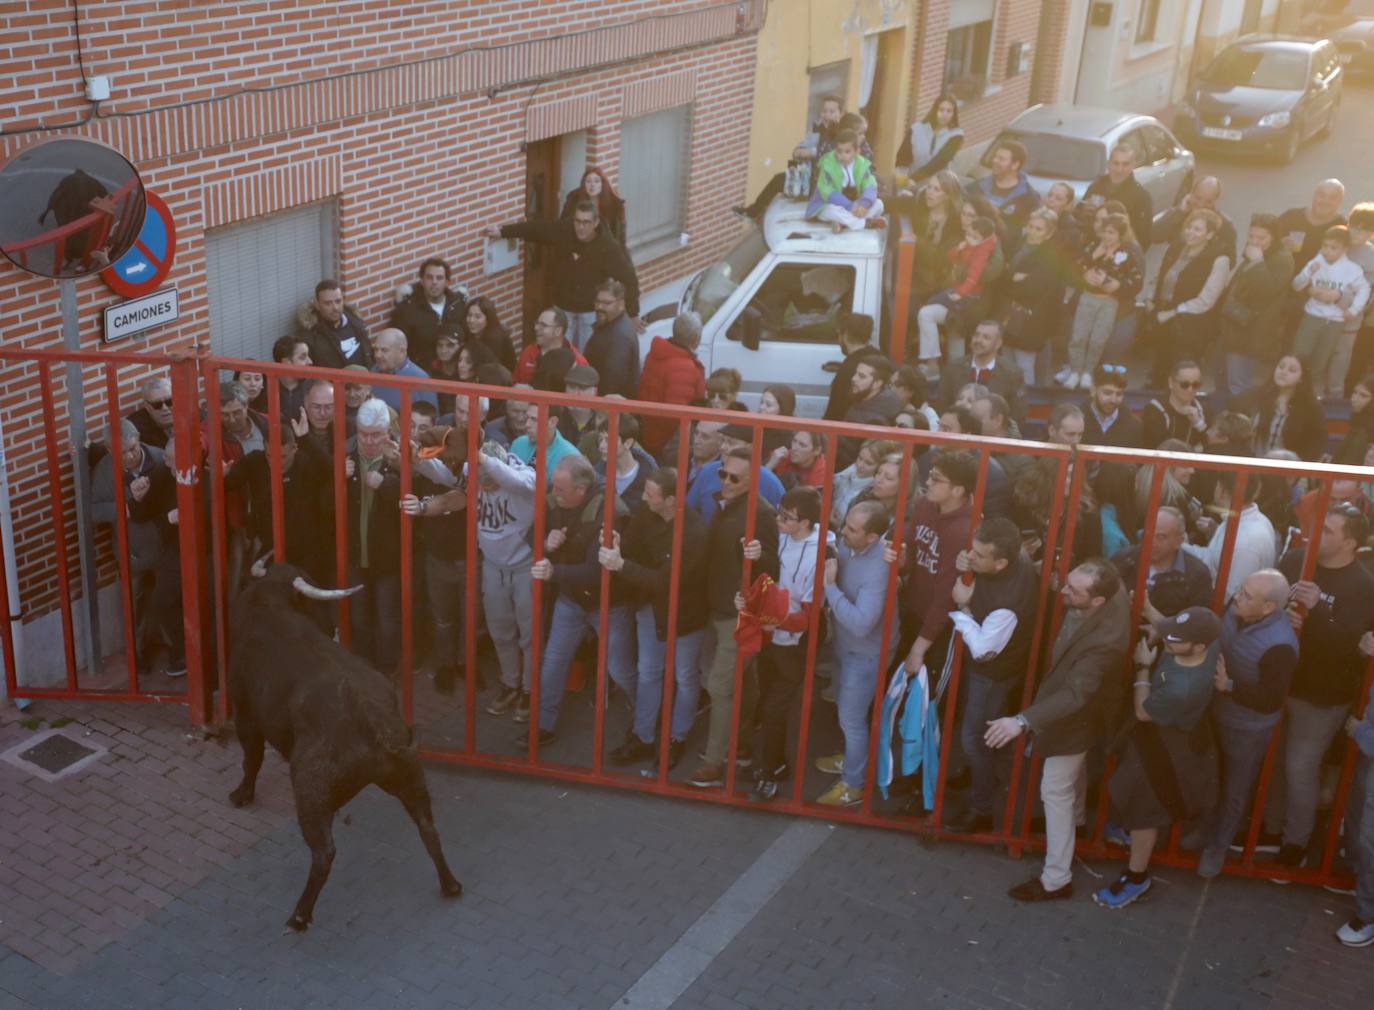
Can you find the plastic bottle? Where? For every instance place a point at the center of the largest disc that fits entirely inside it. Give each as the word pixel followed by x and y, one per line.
pixel 789 186
pixel 805 187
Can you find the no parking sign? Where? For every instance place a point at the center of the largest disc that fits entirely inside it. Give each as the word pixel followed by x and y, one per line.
pixel 145 266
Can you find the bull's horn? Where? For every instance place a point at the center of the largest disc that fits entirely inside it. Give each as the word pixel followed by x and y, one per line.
pixel 259 568
pixel 316 593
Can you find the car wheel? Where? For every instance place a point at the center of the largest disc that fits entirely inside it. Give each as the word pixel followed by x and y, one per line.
pixel 1291 144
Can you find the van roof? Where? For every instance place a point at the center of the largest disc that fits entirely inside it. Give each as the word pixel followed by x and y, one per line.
pixel 787 230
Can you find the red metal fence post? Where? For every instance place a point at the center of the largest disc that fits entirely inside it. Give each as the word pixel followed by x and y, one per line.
pixel 186 468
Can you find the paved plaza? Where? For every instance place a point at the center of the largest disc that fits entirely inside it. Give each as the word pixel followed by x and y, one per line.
pixel 132 883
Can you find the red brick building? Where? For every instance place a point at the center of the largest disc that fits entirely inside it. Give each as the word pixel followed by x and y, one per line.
pixel 296 140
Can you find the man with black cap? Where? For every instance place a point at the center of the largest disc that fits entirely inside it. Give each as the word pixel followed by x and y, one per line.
pixel 702 494
pixel 1168 769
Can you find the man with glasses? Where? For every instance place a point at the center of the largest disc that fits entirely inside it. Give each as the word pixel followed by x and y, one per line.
pixel 152 418
pixel 724 572
pixel 582 256
pixel 1076 697
pixel 1330 612
pixel 939 530
pixel 1179 415
pixel 708 481
pixel 1108 421
pixel 550 334
pixel 373 493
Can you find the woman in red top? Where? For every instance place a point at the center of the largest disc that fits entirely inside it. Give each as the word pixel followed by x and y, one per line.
pixel 802 463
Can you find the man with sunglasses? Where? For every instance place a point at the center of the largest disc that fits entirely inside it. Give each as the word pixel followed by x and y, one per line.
pixel 1180 414
pixel 1107 420
pixel 1330 612
pixel 724 572
pixel 153 417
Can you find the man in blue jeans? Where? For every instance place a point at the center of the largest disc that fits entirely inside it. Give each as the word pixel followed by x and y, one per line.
pixel 643 557
pixel 856 582
pixel 997 609
pixel 1259 651
pixel 575 526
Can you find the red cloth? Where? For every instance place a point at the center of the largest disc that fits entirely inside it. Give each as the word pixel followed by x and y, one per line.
pixel 973 258
pixel 765 608
pixel 528 361
pixel 671 374
pixel 814 475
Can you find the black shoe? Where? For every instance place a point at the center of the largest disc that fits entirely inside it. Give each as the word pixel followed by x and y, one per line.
pixel 1033 890
pixel 1268 841
pixel 545 736
pixel 522 709
pixel 444 679
pixel 966 822
pixel 764 791
pixel 676 748
pixel 632 751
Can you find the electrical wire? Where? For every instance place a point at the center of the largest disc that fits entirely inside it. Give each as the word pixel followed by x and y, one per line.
pixel 76 25
pixel 422 61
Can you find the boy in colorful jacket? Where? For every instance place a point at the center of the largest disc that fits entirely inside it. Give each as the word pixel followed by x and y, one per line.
pixel 846 191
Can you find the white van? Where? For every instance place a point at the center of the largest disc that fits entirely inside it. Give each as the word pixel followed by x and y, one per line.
pixel 771 306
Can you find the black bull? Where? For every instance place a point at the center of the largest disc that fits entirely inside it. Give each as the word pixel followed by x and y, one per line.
pixel 329 714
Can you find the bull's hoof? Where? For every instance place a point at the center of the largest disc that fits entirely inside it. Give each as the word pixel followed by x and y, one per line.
pixel 451 889
pixel 297 924
pixel 241 797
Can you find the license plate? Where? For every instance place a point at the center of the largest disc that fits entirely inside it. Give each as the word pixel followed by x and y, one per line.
pixel 1216 133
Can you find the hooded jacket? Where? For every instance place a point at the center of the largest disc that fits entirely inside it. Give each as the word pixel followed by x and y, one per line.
pixel 327 342
pixel 830 184
pixel 671 374
pixel 797 574
pixel 1014 206
pixel 415 317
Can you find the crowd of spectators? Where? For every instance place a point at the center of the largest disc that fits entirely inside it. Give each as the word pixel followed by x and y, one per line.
pixel 1019 280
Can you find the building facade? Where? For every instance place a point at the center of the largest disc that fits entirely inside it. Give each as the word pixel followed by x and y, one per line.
pixel 294 141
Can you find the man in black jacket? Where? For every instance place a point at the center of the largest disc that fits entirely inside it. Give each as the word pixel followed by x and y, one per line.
pixel 1166 555
pixel 613 349
pixel 575 524
pixel 724 574
pixel 856 332
pixel 1119 183
pixel 1107 420
pixel 996 616
pixel 429 307
pixel 870 402
pixel 335 332
pixel 582 258
pixel 643 555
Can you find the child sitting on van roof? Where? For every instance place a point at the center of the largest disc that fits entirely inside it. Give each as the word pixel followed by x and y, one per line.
pixel 846 191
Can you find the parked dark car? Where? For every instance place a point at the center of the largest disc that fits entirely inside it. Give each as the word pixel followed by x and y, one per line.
pixel 1355 43
pixel 1264 94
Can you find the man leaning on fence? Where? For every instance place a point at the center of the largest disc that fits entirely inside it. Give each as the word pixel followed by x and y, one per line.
pixel 1078 693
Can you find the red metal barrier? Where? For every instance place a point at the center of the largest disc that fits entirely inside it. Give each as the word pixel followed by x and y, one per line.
pixel 195 378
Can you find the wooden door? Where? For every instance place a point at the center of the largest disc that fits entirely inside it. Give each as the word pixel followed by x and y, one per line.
pixel 542 203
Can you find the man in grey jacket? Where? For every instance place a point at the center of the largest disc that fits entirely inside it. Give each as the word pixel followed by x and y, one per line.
pixel 1077 695
pixel 856 582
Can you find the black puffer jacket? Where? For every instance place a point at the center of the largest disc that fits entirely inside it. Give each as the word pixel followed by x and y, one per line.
pixel 1251 309
pixel 647 546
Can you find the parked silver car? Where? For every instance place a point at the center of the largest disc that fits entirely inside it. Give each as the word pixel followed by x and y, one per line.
pixel 1071 143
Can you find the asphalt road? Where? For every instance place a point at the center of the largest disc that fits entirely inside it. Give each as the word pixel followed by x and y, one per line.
pixel 1251 186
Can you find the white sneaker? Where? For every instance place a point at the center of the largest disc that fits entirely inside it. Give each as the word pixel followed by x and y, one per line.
pixel 1072 381
pixel 1062 376
pixel 1356 933
pixel 1085 380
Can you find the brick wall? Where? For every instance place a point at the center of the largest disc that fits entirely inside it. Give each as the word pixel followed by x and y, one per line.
pixel 1015 21
pixel 419 156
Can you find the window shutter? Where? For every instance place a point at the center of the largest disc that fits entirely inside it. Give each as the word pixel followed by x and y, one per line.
pixel 261 271
pixel 653 172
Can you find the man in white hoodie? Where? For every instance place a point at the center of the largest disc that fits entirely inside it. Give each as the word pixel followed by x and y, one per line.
pixel 1336 295
pixel 782 662
pixel 505 513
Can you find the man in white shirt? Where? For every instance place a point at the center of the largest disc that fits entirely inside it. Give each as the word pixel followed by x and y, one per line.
pixel 1256 545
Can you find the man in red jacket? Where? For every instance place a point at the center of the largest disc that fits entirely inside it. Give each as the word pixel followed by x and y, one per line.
pixel 550 333
pixel 672 373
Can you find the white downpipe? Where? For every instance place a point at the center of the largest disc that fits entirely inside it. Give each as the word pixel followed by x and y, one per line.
pixel 11 569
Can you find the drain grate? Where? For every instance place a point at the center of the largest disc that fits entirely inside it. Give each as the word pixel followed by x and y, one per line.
pixel 56 754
